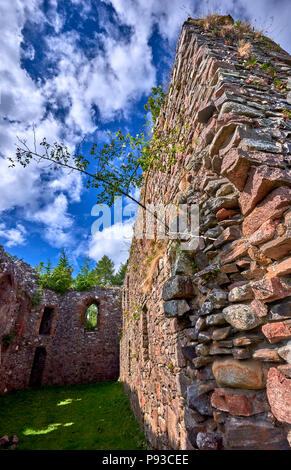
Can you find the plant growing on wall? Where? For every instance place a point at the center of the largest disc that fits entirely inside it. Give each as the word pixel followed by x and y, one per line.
pixel 8 338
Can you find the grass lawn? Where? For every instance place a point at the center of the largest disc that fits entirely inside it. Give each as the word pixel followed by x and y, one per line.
pixel 87 416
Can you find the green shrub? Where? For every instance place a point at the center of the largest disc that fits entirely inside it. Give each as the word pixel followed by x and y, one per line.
pixel 58 279
pixel 7 339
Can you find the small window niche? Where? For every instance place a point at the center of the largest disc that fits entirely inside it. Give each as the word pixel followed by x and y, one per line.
pixel 46 321
pixel 91 317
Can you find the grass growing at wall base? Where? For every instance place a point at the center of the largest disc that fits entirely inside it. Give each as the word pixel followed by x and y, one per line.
pixel 87 416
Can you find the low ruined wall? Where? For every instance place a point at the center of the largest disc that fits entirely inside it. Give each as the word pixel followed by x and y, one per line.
pixel 205 350
pixel 72 353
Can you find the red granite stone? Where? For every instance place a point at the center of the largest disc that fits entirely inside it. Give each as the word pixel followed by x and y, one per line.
pixel 264 233
pixel 238 404
pixel 223 214
pixel 279 395
pixel 260 182
pixel 276 332
pixel 272 207
pixel 271 289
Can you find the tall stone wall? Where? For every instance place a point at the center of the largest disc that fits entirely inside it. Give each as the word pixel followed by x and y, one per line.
pixel 72 353
pixel 205 349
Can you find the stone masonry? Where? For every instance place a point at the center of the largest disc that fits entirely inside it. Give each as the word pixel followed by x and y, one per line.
pixel 206 343
pixel 67 352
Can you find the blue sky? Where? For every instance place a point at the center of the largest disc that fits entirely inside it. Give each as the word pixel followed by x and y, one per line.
pixel 75 69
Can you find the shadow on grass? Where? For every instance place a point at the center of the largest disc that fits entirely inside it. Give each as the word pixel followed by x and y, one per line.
pixel 87 416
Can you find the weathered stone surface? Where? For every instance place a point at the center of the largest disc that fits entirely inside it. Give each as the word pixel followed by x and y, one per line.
pixel 183 265
pixel 225 189
pixel 264 233
pixel 241 316
pixel 238 294
pixel 193 431
pixel 285 352
pixel 259 308
pixel 188 352
pixel 281 310
pixel 279 247
pixel 267 355
pixel 229 234
pixel 239 109
pixel 260 182
pixel 206 308
pixel 204 337
pixel 198 398
pixel 236 374
pixel 238 248
pixel 221 333
pixel 216 349
pixel 215 319
pixel 255 272
pixel 178 287
pixel 205 112
pixel 280 269
pixel 208 441
pixel 248 339
pixel 201 361
pixel 285 369
pixel 218 298
pixel 237 403
pixel 279 395
pixel 272 207
pixel 269 290
pixel 225 202
pixel 254 434
pixel 202 350
pixel 175 308
pixel 223 214
pixel 241 353
pixel 229 268
pixel 278 331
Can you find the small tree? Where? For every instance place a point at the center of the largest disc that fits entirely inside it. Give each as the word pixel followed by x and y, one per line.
pixel 86 279
pixel 104 271
pixel 58 279
pixel 120 275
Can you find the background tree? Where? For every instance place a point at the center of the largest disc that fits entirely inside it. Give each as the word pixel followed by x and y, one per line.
pixel 104 271
pixel 59 278
pixel 120 275
pixel 86 279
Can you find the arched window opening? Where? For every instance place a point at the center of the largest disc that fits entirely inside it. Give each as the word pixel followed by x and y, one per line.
pixel 91 317
pixel 46 321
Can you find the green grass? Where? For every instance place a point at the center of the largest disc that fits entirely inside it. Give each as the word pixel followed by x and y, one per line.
pixel 87 417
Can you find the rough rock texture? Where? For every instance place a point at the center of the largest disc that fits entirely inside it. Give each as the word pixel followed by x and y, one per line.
pixel 72 353
pixel 195 356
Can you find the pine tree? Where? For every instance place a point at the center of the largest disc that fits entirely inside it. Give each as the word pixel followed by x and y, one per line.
pixel 104 271
pixel 120 275
pixel 86 279
pixel 58 279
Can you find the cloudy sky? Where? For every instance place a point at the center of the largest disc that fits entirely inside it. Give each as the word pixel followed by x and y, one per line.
pixel 75 69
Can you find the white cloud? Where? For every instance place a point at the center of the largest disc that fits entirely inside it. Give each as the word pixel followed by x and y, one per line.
pixel 57 222
pixel 113 241
pixel 13 236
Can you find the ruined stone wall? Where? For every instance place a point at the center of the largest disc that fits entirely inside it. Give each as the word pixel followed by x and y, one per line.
pixel 73 354
pixel 205 351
